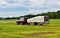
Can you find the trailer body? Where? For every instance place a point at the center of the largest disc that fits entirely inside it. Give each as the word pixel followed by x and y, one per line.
pixel 36 19
pixel 39 19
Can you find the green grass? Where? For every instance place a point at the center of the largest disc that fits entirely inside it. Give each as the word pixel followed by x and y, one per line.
pixel 9 29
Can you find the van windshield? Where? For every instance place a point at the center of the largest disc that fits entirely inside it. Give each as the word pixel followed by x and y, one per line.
pixel 21 19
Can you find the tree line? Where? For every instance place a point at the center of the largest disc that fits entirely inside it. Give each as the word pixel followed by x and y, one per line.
pixel 52 15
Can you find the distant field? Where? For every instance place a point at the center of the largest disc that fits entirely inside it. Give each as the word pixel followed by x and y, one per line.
pixel 9 29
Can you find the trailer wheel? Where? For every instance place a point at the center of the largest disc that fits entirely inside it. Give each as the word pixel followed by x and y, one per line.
pixel 35 23
pixel 41 24
pixel 28 23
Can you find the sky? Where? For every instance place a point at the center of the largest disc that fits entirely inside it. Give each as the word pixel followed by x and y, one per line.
pixel 13 8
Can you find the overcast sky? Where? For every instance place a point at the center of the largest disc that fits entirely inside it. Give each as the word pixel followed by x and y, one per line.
pixel 10 8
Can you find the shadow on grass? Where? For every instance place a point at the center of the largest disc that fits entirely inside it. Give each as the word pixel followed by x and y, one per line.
pixel 38 33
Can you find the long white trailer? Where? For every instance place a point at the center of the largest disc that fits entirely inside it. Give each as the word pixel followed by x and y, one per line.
pixel 36 19
pixel 39 19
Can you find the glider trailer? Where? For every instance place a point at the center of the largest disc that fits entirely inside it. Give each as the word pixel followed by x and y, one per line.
pixel 36 20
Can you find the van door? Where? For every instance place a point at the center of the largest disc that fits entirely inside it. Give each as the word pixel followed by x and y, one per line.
pixel 46 19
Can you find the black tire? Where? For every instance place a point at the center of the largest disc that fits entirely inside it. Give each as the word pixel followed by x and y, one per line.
pixel 28 23
pixel 23 23
pixel 35 23
pixel 41 24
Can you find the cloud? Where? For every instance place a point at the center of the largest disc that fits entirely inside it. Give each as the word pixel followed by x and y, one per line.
pixel 23 7
pixel 36 2
pixel 11 14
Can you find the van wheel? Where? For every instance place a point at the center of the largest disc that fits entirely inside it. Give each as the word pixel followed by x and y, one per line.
pixel 23 23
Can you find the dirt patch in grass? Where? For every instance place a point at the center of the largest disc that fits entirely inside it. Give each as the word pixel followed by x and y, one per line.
pixel 38 33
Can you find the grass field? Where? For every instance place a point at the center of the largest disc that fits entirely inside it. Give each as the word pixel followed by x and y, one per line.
pixel 9 29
